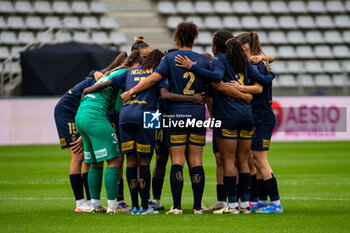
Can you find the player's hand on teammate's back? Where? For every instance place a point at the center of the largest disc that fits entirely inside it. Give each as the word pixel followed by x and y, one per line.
pixel 247 97
pixel 183 62
pixel 77 146
pixel 236 85
pixel 199 98
pixel 126 96
pixel 97 75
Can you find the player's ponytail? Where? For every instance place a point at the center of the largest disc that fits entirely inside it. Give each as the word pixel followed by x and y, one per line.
pixel 139 43
pixel 130 61
pixel 152 60
pixel 225 42
pixel 117 62
pixel 235 55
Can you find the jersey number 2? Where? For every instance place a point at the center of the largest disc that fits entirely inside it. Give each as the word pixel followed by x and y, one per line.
pixel 187 88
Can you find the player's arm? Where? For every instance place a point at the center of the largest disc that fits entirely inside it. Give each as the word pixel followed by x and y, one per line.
pixel 185 62
pixel 97 87
pixel 96 74
pixel 209 101
pixel 167 95
pixel 256 88
pixel 229 90
pixel 263 57
pixel 143 85
pixel 255 75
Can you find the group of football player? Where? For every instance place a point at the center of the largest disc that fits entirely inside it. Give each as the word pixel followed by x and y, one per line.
pixel 102 119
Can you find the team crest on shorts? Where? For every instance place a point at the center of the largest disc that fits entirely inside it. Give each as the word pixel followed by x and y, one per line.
pixel 142 184
pixel 63 141
pixel 133 183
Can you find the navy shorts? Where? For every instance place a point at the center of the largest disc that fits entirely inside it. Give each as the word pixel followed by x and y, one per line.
pixel 184 136
pixel 215 146
pixel 65 123
pixel 134 138
pixel 161 148
pixel 235 129
pixel 262 136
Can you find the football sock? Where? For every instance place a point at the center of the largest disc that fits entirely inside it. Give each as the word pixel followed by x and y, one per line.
pixel 96 203
pixel 230 187
pixel 131 176
pixel 220 193
pixel 112 204
pixel 157 186
pixel 112 182
pixel 86 185
pixel 145 180
pixel 254 189
pixel 95 182
pixel 176 184
pixel 272 189
pixel 77 185
pixel 244 187
pixel 121 190
pixel 261 191
pixel 198 181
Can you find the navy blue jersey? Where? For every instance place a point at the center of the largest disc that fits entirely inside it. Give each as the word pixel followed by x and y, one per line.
pixel 261 103
pixel 70 101
pixel 132 111
pixel 225 107
pixel 184 82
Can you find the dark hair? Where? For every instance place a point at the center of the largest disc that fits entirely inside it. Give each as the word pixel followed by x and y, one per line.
pixel 225 42
pixel 133 59
pixel 207 55
pixel 186 33
pixel 139 43
pixel 252 39
pixel 170 50
pixel 152 60
pixel 117 62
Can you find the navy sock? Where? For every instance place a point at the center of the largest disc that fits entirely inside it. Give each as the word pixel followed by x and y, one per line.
pixel 145 184
pixel 261 190
pixel 244 186
pixel 220 192
pixel 230 187
pixel 271 188
pixel 121 190
pixel 176 183
pixel 86 185
pixel 157 186
pixel 131 176
pixel 254 189
pixel 198 181
pixel 76 182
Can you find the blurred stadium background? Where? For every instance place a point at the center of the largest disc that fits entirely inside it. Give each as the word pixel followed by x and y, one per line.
pixel 310 39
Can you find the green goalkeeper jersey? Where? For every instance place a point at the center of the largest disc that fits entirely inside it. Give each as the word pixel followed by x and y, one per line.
pixel 104 99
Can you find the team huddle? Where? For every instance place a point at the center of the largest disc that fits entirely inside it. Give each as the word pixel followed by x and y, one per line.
pixel 101 119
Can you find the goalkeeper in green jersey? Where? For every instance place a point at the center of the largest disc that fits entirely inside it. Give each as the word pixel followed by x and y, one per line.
pixel 100 140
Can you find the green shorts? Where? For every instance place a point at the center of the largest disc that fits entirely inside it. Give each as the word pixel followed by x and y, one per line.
pixel 99 138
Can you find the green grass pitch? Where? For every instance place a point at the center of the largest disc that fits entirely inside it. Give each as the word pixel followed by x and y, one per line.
pixel 313 178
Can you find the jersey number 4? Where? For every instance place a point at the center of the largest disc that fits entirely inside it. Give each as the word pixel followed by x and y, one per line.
pixel 187 90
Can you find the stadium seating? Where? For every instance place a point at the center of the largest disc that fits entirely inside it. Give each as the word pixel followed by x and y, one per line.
pixel 311 37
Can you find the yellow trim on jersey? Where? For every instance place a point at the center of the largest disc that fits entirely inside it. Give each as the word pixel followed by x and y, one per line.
pixel 128 145
pixel 136 102
pixel 200 139
pixel 143 148
pixel 178 138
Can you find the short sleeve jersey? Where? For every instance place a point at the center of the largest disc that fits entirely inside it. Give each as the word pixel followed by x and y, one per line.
pixel 104 99
pixel 182 81
pixel 70 101
pixel 132 111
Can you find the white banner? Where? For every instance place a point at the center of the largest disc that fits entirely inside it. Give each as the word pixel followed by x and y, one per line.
pixel 31 121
